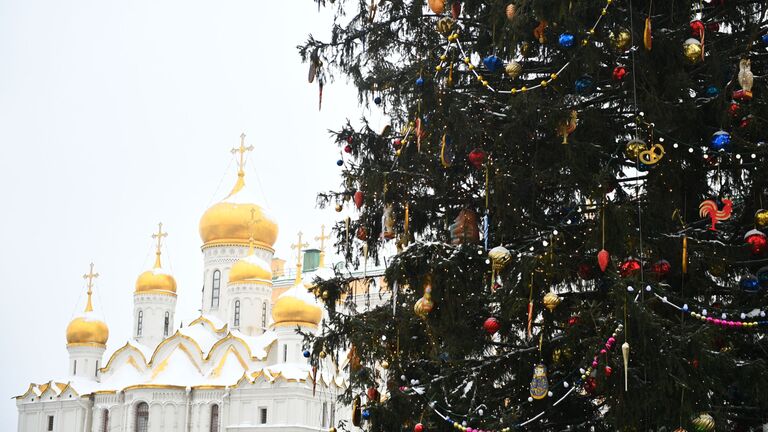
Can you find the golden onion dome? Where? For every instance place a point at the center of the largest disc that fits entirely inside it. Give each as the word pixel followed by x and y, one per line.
pixel 250 269
pixel 156 280
pixel 229 221
pixel 86 328
pixel 297 306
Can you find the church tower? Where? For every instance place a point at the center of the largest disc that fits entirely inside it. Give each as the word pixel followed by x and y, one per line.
pixel 154 300
pixel 232 229
pixel 86 338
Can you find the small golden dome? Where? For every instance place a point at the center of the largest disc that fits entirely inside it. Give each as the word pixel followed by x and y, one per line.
pixel 157 279
pixel 228 220
pixel 250 269
pixel 87 330
pixel 296 306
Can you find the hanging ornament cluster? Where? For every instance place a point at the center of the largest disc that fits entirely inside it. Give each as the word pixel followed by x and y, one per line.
pixel 424 305
pixel 710 209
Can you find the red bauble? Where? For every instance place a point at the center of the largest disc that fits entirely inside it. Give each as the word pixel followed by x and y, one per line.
pixel 455 10
pixel 629 267
pixel 491 325
pixel 590 384
pixel 397 143
pixel 603 258
pixel 586 271
pixel 349 139
pixel 358 199
pixel 745 121
pixel 661 269
pixel 695 363
pixel 733 109
pixel 608 371
pixel 757 241
pixel 477 158
pixel 373 394
pixel 619 72
pixel 572 321
pixel 741 95
pixel 697 28
pixel 418 428
pixel 362 233
pixel 348 148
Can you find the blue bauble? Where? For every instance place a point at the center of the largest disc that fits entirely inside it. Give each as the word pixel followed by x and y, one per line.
pixel 765 38
pixel 306 353
pixel 366 414
pixel 377 100
pixel 444 356
pixel 566 40
pixel 584 84
pixel 762 277
pixel 721 140
pixel 339 162
pixel 749 284
pixel 493 63
pixel 419 82
pixel 712 91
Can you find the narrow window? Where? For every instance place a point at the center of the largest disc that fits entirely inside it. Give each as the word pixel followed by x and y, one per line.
pixel 142 417
pixel 333 414
pixel 167 324
pixel 50 423
pixel 236 321
pixel 96 372
pixel 215 290
pixel 139 323
pixel 214 418
pixel 325 415
pixel 105 421
pixel 285 353
pixel 74 368
pixel 263 315
pixel 263 415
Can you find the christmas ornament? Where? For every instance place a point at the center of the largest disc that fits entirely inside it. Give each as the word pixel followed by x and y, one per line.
pixel 445 26
pixel 446 151
pixel 424 305
pixel 306 354
pixel 608 371
pixel 511 10
pixel 477 158
pixel 693 50
pixel 513 69
pixel 749 284
pixel 619 72
pixel 418 427
pixel 621 39
pixel 539 383
pixel 629 267
pixel 680 430
pixel 590 385
pixel 377 100
pixel 491 325
pixel 419 82
pixel 625 355
pixel 388 223
pixel 493 63
pixel 373 394
pixel 362 233
pixel 703 423
pixel 764 38
pixel 551 301
pixel 348 148
pixel 568 126
pixel 358 199
pixel 356 411
pixel 584 84
pixel 762 277
pixel 464 228
pixel 761 218
pixel 756 240
pixel 684 258
pixel 652 155
pixel 385 364
pixel 721 140
pixel 538 32
pixel 746 79
pixel 339 208
pixel 647 37
pixel 456 9
pixel 634 147
pixel 697 28
pixel 661 269
pixel 734 108
pixel 585 271
pixel 437 6
pixel 566 40
pixel 603 258
pixel 709 209
pixel 366 414
pixel 500 257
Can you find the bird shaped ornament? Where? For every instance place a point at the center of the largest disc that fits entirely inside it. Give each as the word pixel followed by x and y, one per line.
pixel 709 208
pixel 746 79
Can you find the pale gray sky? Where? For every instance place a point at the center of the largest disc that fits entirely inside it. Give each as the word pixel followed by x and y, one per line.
pixel 115 115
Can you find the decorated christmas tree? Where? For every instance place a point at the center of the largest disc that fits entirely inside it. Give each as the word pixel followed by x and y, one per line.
pixel 575 191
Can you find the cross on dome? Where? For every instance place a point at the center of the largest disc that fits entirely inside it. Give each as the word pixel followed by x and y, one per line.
pixel 322 238
pixel 298 246
pixel 159 237
pixel 90 276
pixel 252 223
pixel 242 149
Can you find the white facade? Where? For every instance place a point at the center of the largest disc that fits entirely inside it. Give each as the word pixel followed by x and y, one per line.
pixel 153 316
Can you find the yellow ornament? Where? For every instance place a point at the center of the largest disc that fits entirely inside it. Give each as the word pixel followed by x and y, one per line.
pixel 437 6
pixel 445 26
pixel 703 423
pixel 551 301
pixel 513 69
pixel 385 364
pixel 322 354
pixel 423 307
pixel 511 11
pixel 621 39
pixel 692 50
pixel 500 257
pixel 339 208
pixel 652 155
pixel 634 148
pixel 761 218
pixel 525 49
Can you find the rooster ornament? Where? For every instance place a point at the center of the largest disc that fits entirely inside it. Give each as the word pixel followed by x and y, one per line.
pixel 709 209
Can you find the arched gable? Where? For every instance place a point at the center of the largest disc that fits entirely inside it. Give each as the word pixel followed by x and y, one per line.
pixel 166 347
pixel 127 354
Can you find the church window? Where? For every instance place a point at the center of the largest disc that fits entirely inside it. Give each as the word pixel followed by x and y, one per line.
pixel 167 324
pixel 214 418
pixel 333 414
pixel 325 415
pixel 50 423
pixel 215 289
pixel 142 417
pixel 96 372
pixel 263 315
pixel 139 323
pixel 74 368
pixel 285 353
pixel 105 421
pixel 236 321
pixel 263 415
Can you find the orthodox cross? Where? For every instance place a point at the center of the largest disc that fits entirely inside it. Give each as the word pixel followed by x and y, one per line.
pixel 159 237
pixel 298 246
pixel 322 238
pixel 90 276
pixel 242 149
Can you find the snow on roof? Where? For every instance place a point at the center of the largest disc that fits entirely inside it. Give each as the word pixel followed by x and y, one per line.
pixel 203 336
pixel 257 344
pixel 176 369
pixel 300 292
pixel 143 349
pixel 215 322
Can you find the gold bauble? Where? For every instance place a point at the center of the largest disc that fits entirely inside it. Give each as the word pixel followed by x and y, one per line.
pixel 621 39
pixel 551 301
pixel 634 147
pixel 423 307
pixel 325 295
pixel 692 50
pixel 445 25
pixel 513 69
pixel 437 6
pixel 339 208
pixel 322 354
pixel 511 11
pixel 385 364
pixel 525 49
pixel 703 423
pixel 500 257
pixel 761 218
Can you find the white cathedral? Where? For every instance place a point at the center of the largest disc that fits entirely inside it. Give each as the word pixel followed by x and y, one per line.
pixel 239 367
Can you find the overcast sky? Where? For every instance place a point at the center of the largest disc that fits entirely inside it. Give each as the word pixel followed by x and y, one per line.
pixel 115 115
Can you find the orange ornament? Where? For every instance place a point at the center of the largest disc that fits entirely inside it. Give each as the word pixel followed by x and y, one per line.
pixel 437 6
